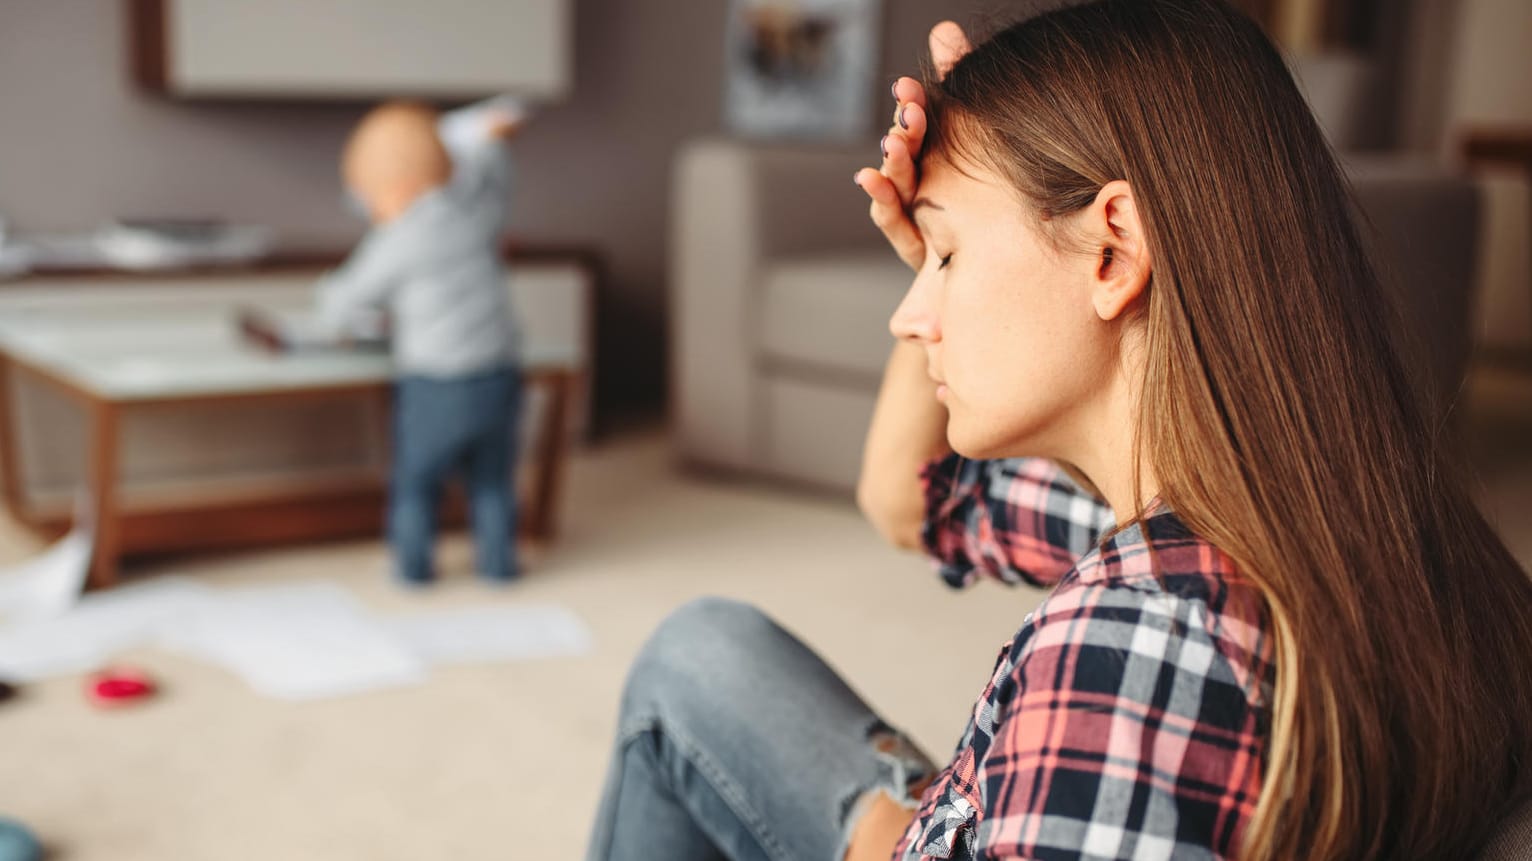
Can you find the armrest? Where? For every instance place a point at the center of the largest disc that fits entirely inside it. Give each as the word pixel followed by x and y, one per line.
pixel 807 204
pixel 736 208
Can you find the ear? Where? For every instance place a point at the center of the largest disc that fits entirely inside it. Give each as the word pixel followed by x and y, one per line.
pixel 1122 264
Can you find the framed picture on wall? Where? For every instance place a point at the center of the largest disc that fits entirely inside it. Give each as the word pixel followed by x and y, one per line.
pixel 800 69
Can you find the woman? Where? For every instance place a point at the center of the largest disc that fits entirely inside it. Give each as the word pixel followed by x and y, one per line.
pixel 1278 627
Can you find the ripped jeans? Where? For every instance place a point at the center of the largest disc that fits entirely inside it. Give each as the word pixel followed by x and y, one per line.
pixel 737 742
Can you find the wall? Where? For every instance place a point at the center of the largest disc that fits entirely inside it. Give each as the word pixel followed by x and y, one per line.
pixel 78 144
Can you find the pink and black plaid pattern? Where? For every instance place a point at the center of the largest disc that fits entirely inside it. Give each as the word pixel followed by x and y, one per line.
pixel 1021 520
pixel 1128 717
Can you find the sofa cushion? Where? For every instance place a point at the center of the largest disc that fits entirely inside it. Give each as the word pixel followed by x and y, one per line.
pixel 813 431
pixel 831 311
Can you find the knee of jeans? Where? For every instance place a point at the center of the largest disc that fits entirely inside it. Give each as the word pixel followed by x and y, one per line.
pixel 903 773
pixel 419 470
pixel 688 655
pixel 409 473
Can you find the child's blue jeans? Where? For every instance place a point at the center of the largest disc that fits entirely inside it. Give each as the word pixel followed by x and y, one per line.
pixel 464 425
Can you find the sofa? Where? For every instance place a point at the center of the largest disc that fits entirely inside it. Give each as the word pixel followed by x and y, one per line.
pixel 782 291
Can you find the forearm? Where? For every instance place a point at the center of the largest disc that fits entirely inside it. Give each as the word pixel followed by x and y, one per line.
pixel 475 136
pixel 336 305
pixel 483 123
pixel 908 430
pixel 365 280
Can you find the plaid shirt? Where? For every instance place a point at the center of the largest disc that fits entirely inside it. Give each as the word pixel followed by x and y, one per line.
pixel 1128 717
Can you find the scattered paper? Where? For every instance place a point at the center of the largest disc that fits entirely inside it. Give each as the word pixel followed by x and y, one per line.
pixel 301 641
pixel 297 642
pixel 98 627
pixel 481 634
pixel 50 583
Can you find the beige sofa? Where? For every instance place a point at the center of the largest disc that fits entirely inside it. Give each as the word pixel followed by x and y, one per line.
pixel 782 290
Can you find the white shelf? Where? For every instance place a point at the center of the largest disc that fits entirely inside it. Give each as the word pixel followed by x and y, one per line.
pixel 317 49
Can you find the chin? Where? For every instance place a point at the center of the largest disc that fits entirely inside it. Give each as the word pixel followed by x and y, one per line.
pixel 989 441
pixel 978 445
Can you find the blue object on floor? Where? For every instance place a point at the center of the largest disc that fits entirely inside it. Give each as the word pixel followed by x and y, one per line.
pixel 17 843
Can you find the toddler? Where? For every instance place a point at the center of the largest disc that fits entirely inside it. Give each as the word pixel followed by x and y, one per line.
pixel 435 188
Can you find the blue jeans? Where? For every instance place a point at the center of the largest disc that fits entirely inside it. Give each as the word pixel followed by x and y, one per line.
pixel 463 425
pixel 737 742
pixel 17 843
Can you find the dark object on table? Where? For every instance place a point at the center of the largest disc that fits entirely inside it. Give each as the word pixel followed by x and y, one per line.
pixel 280 332
pixel 262 331
pixel 7 691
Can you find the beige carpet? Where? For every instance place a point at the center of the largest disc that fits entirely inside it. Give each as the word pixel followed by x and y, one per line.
pixel 493 761
pixel 505 761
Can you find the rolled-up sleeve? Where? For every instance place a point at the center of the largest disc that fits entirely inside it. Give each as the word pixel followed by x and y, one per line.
pixel 364 281
pixel 1021 520
pixel 481 167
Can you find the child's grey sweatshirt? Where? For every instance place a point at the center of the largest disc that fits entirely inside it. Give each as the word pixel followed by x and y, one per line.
pixel 437 267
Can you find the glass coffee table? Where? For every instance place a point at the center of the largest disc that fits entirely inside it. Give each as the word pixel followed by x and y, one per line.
pixel 113 351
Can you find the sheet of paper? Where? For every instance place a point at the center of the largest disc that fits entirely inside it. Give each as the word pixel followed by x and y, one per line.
pixel 297 642
pixel 49 583
pixel 480 634
pixel 98 627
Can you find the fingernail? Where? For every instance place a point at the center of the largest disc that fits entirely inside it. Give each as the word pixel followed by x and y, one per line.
pixel 856 179
pixel 883 145
pixel 894 88
pixel 902 123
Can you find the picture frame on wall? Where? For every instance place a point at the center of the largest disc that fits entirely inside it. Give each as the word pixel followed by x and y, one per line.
pixel 800 69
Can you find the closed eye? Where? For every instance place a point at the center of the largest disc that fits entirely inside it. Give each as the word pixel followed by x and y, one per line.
pixel 945 261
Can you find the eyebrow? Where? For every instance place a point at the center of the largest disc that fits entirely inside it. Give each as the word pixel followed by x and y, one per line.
pixel 923 203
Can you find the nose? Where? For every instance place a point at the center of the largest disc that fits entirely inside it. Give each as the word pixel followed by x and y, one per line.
pixel 915 319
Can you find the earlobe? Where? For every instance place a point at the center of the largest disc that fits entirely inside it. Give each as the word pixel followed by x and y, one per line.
pixel 1117 286
pixel 1122 266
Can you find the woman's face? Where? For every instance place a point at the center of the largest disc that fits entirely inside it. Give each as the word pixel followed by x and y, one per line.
pixel 1005 317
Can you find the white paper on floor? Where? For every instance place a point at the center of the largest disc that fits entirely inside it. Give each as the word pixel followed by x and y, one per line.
pixel 481 634
pixel 297 642
pixel 99 626
pixel 49 583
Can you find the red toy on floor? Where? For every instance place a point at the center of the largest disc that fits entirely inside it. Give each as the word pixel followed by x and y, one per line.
pixel 115 687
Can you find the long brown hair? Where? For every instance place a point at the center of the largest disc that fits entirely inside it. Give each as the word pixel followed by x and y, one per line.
pixel 1278 418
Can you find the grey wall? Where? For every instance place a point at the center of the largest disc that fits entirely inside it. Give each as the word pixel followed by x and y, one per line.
pixel 78 144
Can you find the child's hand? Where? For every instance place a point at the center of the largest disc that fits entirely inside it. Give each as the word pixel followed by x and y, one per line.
pixel 498 118
pixel 892 186
pixel 504 129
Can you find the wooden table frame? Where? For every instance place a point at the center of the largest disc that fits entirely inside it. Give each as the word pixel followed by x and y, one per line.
pixel 332 513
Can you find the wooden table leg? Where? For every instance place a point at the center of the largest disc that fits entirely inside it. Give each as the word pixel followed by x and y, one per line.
pixel 11 486
pixel 103 483
pixel 552 441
